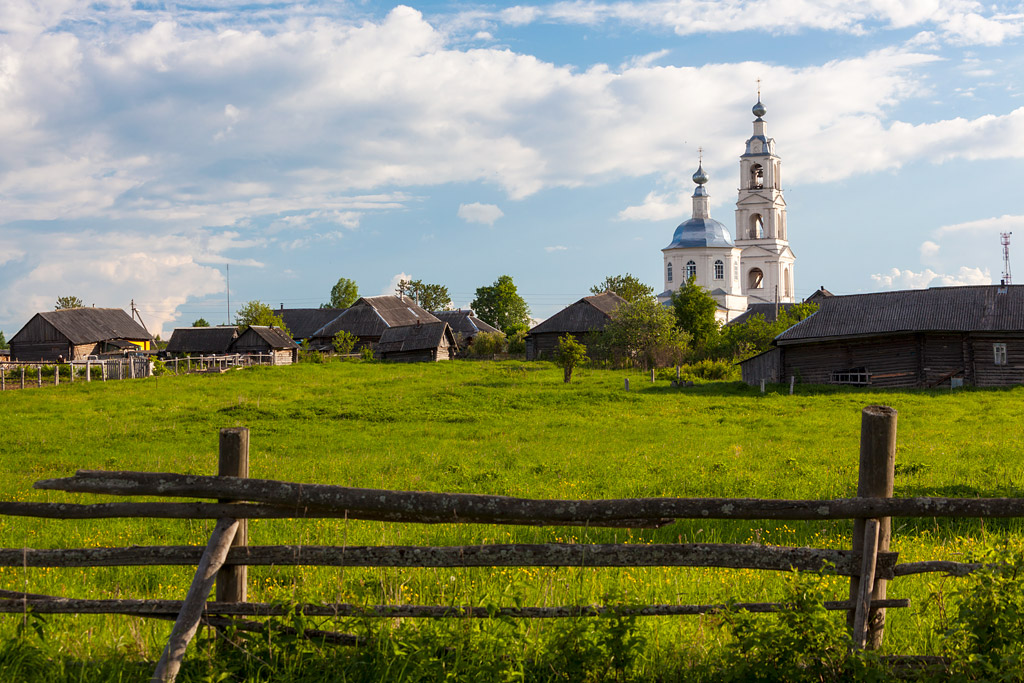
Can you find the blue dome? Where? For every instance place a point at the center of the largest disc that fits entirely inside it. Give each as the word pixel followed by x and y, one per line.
pixel 701 232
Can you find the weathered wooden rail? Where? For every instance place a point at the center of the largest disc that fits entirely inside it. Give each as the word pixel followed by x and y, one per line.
pixel 222 563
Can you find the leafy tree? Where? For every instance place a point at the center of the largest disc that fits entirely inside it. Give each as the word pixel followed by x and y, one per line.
pixel 568 354
pixel 517 341
pixel 756 334
pixel 695 312
pixel 3 341
pixel 201 322
pixel 67 302
pixel 428 296
pixel 344 293
pixel 642 332
pixel 344 341
pixel 626 286
pixel 260 314
pixel 501 306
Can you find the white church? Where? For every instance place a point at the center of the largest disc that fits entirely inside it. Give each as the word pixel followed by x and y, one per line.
pixel 758 266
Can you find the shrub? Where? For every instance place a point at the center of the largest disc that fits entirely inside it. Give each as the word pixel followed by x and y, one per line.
pixel 486 344
pixel 568 354
pixel 344 341
pixel 517 342
pixel 366 353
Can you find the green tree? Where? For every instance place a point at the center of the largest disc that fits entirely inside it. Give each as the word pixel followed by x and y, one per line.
pixel 756 334
pixel 344 341
pixel 626 286
pixel 344 293
pixel 201 322
pixel 642 332
pixel 568 354
pixel 427 296
pixel 260 314
pixel 501 306
pixel 67 302
pixel 3 341
pixel 695 312
pixel 486 344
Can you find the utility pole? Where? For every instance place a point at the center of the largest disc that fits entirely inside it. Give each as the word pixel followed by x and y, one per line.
pixel 137 315
pixel 227 276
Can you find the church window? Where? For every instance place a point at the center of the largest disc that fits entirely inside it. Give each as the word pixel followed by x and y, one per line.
pixel 756 177
pixel 691 269
pixel 755 279
pixel 668 271
pixel 999 351
pixel 719 270
pixel 788 279
pixel 756 227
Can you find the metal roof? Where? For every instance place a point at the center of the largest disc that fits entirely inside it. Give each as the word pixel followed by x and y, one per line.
pixel 87 325
pixel 701 232
pixel 986 308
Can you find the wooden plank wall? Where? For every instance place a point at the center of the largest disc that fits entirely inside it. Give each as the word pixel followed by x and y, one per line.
pixel 986 372
pixel 767 366
pixel 892 361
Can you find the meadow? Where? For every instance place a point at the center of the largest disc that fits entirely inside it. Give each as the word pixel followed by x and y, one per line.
pixel 506 428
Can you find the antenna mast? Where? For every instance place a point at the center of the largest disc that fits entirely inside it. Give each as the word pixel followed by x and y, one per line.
pixel 227 276
pixel 1004 238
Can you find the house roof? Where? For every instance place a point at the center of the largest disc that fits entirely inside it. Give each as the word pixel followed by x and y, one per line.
pixel 303 322
pixel 87 325
pixel 766 310
pixel 275 337
pixel 464 322
pixel 370 316
pixel 414 337
pixel 201 339
pixel 987 308
pixel 586 315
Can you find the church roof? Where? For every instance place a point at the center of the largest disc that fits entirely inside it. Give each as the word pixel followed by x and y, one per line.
pixel 701 232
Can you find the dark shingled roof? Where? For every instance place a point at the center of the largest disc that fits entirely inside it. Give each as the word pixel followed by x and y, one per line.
pixel 370 316
pixel 414 337
pixel 201 339
pixel 464 322
pixel 766 310
pixel 303 322
pixel 586 315
pixel 275 337
pixel 87 325
pixel 988 308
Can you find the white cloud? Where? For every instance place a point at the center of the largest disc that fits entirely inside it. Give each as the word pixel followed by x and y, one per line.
pixel 476 212
pixel 929 251
pixel 1006 223
pixel 551 250
pixel 908 279
pixel 392 286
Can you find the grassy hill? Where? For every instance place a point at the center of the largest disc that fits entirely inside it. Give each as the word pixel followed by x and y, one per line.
pixel 503 428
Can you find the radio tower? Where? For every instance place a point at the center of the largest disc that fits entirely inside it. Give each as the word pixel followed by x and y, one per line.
pixel 1004 238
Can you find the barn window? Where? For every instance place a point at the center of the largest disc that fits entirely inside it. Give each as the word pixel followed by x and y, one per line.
pixel 859 376
pixel 668 272
pixel 719 270
pixel 999 351
pixel 691 269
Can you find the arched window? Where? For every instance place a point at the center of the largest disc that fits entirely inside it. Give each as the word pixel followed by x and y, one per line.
pixel 668 271
pixel 789 282
pixel 756 177
pixel 719 270
pixel 755 279
pixel 756 227
pixel 691 269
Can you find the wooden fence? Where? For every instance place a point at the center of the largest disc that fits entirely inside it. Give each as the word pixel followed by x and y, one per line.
pixel 223 561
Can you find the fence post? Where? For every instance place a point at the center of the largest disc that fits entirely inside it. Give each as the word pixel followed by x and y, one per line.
pixel 234 462
pixel 627 384
pixel 39 376
pixel 22 376
pixel 56 374
pixel 762 385
pixel 88 371
pixel 677 374
pixel 3 379
pixel 792 381
pixel 875 480
pixel 71 371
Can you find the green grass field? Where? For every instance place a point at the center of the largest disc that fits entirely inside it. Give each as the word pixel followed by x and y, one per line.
pixel 504 428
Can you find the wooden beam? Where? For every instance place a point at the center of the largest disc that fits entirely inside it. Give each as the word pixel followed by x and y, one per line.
pixel 867 584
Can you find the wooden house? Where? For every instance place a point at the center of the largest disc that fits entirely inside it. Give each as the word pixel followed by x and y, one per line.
pixel 201 341
pixel 583 320
pixel 911 338
pixel 302 323
pixel 76 333
pixel 465 325
pixel 273 341
pixel 367 319
pixel 423 342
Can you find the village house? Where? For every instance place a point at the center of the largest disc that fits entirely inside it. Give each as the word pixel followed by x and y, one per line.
pixel 910 338
pixel 201 341
pixel 465 325
pixel 583 320
pixel 416 343
pixel 303 323
pixel 272 341
pixel 367 319
pixel 77 333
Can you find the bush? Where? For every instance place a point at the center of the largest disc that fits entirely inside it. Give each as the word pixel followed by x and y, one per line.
pixel 366 353
pixel 517 341
pixel 344 342
pixel 568 354
pixel 705 370
pixel 486 344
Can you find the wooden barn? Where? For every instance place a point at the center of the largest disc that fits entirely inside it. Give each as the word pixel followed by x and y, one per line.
pixel 465 325
pixel 201 341
pixel 273 341
pixel 426 342
pixel 76 333
pixel 911 338
pixel 583 319
pixel 367 319
pixel 304 322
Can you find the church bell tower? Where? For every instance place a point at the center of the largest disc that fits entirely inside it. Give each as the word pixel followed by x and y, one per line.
pixel 761 230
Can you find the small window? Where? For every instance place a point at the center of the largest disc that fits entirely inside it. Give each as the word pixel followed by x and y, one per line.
pixel 691 269
pixel 668 272
pixel 999 351
pixel 719 270
pixel 858 376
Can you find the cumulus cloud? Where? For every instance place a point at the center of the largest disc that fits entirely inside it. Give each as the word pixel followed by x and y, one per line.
pixel 554 249
pixel 392 286
pixel 476 212
pixel 908 279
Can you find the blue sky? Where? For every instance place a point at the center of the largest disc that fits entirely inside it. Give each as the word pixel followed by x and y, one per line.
pixel 148 145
